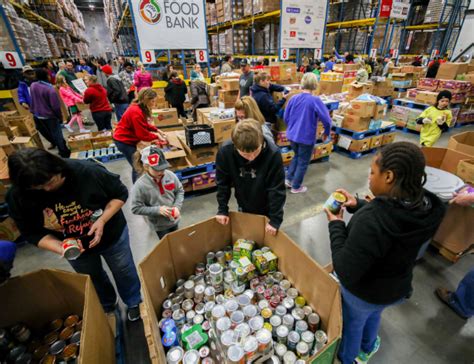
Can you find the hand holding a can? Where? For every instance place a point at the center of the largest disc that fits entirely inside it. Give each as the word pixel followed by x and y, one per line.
pixel 334 217
pixel 351 201
pixel 97 229
pixel 166 211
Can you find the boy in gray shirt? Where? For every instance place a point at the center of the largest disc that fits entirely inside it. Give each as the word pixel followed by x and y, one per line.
pixel 157 194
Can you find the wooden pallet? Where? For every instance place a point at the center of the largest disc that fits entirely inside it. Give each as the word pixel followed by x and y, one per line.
pixel 450 255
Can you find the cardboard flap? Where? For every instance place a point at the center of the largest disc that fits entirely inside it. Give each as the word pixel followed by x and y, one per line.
pixel 248 226
pixel 455 232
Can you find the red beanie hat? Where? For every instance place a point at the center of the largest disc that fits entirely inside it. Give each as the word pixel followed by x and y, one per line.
pixel 107 69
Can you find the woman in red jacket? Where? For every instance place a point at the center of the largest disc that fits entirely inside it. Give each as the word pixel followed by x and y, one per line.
pixel 96 97
pixel 134 127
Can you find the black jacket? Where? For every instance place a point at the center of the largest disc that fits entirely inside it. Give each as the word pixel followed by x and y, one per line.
pixel 259 185
pixel 199 96
pixel 175 92
pixel 375 254
pixel 264 99
pixel 88 187
pixel 116 92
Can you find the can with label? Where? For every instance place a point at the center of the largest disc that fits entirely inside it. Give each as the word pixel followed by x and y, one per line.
pixel 237 317
pixel 199 308
pixel 275 321
pixel 217 274
pixel 191 357
pixel 298 313
pixel 308 338
pixel 71 249
pixel 249 311
pixel 223 324
pixel 281 310
pixel 220 258
pixel 256 323
pixel 187 305
pixel 210 258
pixel 264 338
pixel 204 352
pixel 236 355
pixel 293 340
pixel 301 326
pixel 300 301
pixel 250 347
pixel 189 289
pixel 274 301
pixel 313 322
pixel 307 310
pixel 218 311
pixel 190 316
pixel 179 317
pixel 292 293
pixel 199 293
pixel 334 202
pixel 210 294
pixel 175 355
pixel 242 330
pixel 200 269
pixel 289 303
pixel 302 349
pixel 266 313
pixel 288 321
pixel 282 334
pixel 228 254
pixel 320 340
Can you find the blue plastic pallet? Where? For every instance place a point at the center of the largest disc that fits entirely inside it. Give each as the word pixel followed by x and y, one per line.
pixel 104 155
pixel 407 130
pixel 410 103
pixel 354 155
pixel 195 171
pixel 359 135
pixel 334 105
pixel 463 124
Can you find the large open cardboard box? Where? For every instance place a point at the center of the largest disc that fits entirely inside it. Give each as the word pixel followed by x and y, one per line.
pixel 40 297
pixel 177 254
pixel 463 142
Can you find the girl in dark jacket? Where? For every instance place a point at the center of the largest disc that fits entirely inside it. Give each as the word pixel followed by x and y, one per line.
pixel 199 96
pixel 375 254
pixel 175 93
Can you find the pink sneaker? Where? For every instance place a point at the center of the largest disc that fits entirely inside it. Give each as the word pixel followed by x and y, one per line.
pixel 302 189
pixel 288 183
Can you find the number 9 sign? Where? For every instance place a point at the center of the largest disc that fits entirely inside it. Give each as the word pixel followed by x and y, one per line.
pixel 148 56
pixel 10 60
pixel 201 56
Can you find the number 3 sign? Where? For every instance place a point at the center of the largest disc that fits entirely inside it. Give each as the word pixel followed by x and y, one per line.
pixel 10 60
pixel 201 55
pixel 148 56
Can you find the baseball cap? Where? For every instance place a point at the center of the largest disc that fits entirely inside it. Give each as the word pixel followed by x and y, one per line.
pixel 244 63
pixel 27 69
pixel 107 69
pixel 154 157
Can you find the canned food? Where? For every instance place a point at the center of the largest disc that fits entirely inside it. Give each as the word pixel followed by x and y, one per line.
pixel 275 321
pixel 308 338
pixel 237 317
pixel 298 313
pixel 21 332
pixel 199 308
pixel 191 357
pixel 190 316
pixel 281 310
pixel 256 323
pixel 300 301
pixel 243 330
pixel 187 305
pixel 289 358
pixel 210 258
pixel 235 354
pixel 175 307
pixel 167 325
pixel 250 348
pixel 70 352
pixel 204 352
pixel 200 269
pixel 210 294
pixel 288 321
pixel 57 347
pixel 76 338
pixel 220 299
pixel 217 274
pixel 266 313
pixel 24 358
pixel 268 326
pixel 228 254
pixel 289 303
pixel 264 338
pixel 277 277
pixel 243 301
pixel 302 349
pixel 307 310
pixel 50 338
pixel 71 249
pixel 48 359
pixel 66 334
pixel 250 294
pixel 292 293
pixel 285 285
pixel 334 202
pixel 250 311
pixel 293 339
pixel 231 306
pixel 237 289
pixel 175 355
pixel 57 324
pixel 189 289
pixel 16 351
pixel 227 338
pixel 229 279
pixel 217 312
pixel 313 322
pixel 199 293
pixel 206 325
pixel 180 282
pixel 280 350
pixel 40 352
pixel 179 317
pixel 177 299
pixel 220 258
pixel 282 334
pixel 71 320
pixel 199 280
pixel 275 301
pixel 320 340
pixel 263 304
pixel 207 360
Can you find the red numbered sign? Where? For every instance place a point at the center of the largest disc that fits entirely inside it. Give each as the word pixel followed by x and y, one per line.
pixel 317 53
pixel 395 53
pixel 201 56
pixel 285 54
pixel 373 53
pixel 148 56
pixel 10 60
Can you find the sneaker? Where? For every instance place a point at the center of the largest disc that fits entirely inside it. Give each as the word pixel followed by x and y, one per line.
pixel 288 183
pixel 68 128
pixel 133 313
pixel 446 297
pixel 302 189
pixel 84 130
pixel 363 357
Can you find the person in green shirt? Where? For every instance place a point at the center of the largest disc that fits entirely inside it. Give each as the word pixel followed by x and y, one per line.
pixel 69 75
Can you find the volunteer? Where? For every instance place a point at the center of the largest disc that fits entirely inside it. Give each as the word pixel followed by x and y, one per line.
pixel 52 199
pixel 71 99
pixel 83 67
pixel 167 74
pixel 68 73
pixel 262 93
pixel 227 66
pixel 330 64
pixel 199 96
pixel 302 115
pixel 96 97
pixel 246 79
pixel 24 97
pixel 254 167
pixel 175 93
pixel 126 76
pixel 142 78
pixel 374 255
pixel 196 73
pixel 362 74
pixel 135 127
pixel 247 108
pixel 116 92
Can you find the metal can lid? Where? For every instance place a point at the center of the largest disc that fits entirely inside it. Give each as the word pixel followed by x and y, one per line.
pixel 292 293
pixel 204 352
pixel 243 300
pixel 198 319
pixel 289 357
pixel 250 311
pixel 223 323
pixel 298 313
pixel 307 337
pixel 281 349
pixel 70 351
pixel 293 336
pixel 256 323
pixel 48 359
pixel 280 310
pixel 199 308
pixel 191 357
pixel 266 313
pixel 206 325
pixel 275 321
pixel 264 336
pixel 263 304
pixel 175 354
pixel 288 303
pixel 231 305
pixel 313 319
pixel 288 319
pixel 209 306
pixel 339 197
pixel 188 285
pixel 235 353
pixel 250 294
pixel 302 347
pixel 282 331
pixel 215 268
pixel 57 347
pixel 307 310
pixel 250 344
pixel 178 315
pixel 76 337
pixel 237 316
pixel 66 333
pixel 210 255
pixel 218 311
pixel 72 253
pixel 321 337
pixel 243 329
pixel 285 284
pixel 227 338
pixel 199 289
pixel 209 291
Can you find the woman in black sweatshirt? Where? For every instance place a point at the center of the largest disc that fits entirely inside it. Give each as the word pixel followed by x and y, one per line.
pixel 375 254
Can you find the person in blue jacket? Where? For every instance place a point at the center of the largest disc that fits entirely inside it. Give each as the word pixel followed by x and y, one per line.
pixel 7 255
pixel 24 96
pixel 262 91
pixel 83 67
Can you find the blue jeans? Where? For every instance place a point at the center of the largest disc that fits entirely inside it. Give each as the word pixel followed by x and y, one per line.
pixel 299 163
pixel 128 151
pixel 360 325
pixel 120 110
pixel 462 300
pixel 120 261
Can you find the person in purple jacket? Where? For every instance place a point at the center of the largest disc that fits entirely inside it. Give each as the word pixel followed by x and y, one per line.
pixel 46 108
pixel 301 116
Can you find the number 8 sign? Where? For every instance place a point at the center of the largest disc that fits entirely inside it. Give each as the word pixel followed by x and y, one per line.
pixel 148 56
pixel 201 56
pixel 10 60
pixel 285 54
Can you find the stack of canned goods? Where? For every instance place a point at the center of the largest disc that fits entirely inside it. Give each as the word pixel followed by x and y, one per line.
pixel 58 342
pixel 237 308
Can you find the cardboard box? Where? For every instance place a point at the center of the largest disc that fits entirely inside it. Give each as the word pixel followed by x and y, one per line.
pixel 353 145
pixel 465 170
pixel 228 96
pixel 230 85
pixel 458 98
pixel 454 86
pixel 20 109
pixel 361 108
pixel 8 230
pixel 200 155
pixel 177 254
pixel 165 117
pixel 22 142
pixel 445 159
pixel 40 297
pixel 428 84
pixel 356 89
pixel 427 97
pixel 343 67
pixel 6 145
pixel 322 150
pixel 25 124
pixel 379 111
pixel 202 114
pixel 222 129
pixel 15 131
pixel 356 123
pixel 376 141
pixel 284 71
pixel 329 87
pixel 388 138
pixel 449 70
pixel 463 142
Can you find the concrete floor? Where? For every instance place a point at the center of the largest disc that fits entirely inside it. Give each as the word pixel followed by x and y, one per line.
pixel 422 330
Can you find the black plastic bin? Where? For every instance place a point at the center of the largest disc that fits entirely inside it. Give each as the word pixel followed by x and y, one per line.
pixel 199 136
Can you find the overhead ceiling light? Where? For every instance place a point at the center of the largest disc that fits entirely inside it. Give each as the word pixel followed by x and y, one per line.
pixel 91 6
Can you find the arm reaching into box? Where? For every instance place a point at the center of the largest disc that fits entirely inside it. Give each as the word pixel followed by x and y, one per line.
pixel 276 192
pixel 223 181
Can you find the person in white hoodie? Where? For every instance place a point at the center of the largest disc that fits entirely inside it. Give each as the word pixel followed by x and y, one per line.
pixel 157 194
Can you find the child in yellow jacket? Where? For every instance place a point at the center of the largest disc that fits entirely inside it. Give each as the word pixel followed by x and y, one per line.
pixel 435 119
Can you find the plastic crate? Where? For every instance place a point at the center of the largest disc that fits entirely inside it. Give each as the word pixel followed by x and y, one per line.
pixel 199 136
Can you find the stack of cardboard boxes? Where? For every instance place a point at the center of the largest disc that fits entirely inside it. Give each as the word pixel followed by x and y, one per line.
pixel 18 131
pixel 363 115
pixel 161 102
pixel 228 91
pixel 383 87
pixel 330 83
pixel 252 7
pixel 89 141
pixel 349 72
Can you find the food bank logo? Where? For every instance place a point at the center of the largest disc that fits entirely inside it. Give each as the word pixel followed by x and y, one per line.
pixel 150 11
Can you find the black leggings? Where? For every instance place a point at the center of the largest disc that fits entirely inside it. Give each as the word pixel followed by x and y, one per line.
pixel 103 120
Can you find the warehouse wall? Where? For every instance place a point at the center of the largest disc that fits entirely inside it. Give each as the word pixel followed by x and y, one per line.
pixel 98 35
pixel 466 38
